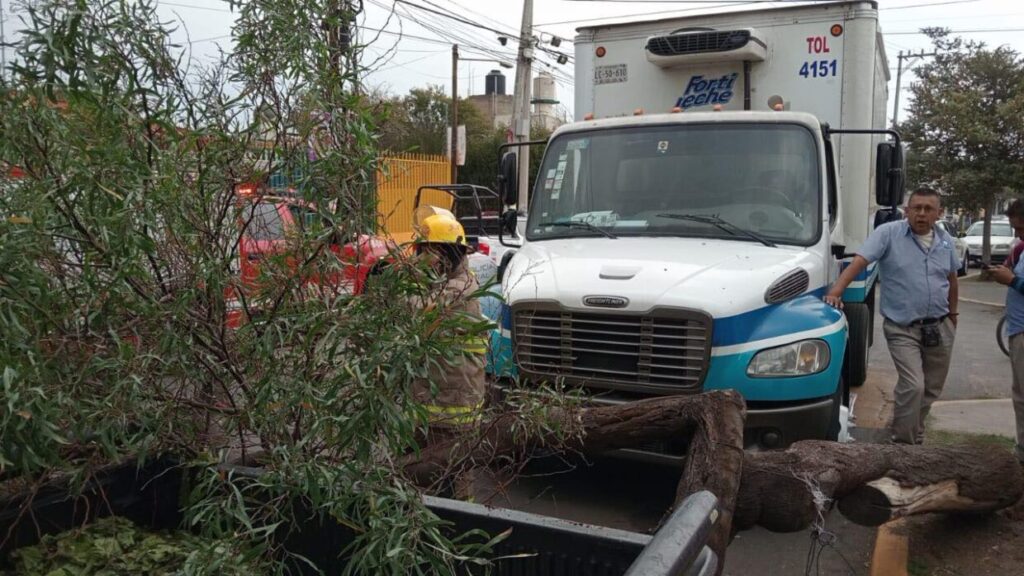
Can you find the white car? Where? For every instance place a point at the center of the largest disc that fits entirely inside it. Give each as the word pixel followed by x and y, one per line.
pixel 959 244
pixel 1001 237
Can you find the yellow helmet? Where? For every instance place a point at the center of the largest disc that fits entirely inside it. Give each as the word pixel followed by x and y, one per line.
pixel 438 226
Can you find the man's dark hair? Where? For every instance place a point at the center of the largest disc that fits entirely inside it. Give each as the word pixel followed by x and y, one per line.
pixel 927 192
pixel 1015 210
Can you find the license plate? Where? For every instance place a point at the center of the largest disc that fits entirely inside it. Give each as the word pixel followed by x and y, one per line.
pixel 610 74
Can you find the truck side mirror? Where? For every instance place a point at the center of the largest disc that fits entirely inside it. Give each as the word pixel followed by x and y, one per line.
pixel 508 226
pixel 889 174
pixel 509 222
pixel 508 179
pixel 886 215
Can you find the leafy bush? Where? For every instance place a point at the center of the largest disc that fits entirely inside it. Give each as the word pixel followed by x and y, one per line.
pixel 114 546
pixel 118 265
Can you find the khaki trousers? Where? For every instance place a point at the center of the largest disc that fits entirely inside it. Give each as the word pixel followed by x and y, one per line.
pixel 1017 362
pixel 922 374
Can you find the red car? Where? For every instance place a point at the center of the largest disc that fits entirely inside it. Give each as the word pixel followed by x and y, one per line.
pixel 267 221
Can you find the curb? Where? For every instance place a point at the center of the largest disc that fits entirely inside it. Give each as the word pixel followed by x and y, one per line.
pixel 892 550
pixel 982 302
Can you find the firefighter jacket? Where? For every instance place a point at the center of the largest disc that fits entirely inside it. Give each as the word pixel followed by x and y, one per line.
pixel 460 383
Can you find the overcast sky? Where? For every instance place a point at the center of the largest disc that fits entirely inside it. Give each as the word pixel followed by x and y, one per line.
pixel 423 53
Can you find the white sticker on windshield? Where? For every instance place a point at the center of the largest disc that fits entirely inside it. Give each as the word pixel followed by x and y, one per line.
pixel 551 173
pixel 578 144
pixel 662 146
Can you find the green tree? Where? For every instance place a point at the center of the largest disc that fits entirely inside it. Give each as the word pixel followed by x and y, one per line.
pixel 118 272
pixel 418 121
pixel 965 128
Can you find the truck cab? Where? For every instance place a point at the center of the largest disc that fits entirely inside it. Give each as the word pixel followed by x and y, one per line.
pixel 653 265
pixel 688 250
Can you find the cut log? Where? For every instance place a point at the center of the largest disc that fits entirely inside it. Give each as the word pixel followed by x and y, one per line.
pixel 783 491
pixel 714 459
pixel 872 483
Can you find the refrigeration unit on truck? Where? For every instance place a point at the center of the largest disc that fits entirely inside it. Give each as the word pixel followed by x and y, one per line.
pixel 682 232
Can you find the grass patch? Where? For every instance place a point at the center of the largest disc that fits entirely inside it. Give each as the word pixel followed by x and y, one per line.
pixel 948 438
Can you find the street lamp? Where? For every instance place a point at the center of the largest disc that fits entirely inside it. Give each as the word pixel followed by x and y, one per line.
pixel 455 103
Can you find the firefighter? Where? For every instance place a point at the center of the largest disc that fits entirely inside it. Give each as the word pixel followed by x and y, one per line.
pixel 453 393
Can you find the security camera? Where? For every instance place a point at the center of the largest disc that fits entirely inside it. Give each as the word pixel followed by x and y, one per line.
pixel 503 40
pixel 556 41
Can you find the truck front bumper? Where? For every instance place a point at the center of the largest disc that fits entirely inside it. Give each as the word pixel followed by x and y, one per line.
pixel 779 425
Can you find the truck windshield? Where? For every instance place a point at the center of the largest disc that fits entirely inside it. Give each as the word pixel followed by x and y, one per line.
pixel 762 178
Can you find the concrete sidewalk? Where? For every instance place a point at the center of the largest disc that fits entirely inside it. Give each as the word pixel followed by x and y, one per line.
pixel 974 289
pixel 974 417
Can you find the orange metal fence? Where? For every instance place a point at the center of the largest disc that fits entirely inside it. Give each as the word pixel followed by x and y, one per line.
pixel 398 178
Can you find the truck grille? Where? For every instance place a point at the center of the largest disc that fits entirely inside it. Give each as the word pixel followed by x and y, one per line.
pixel 664 351
pixel 697 42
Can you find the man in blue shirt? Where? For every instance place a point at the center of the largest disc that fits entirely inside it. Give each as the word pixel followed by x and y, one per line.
pixel 1014 278
pixel 917 265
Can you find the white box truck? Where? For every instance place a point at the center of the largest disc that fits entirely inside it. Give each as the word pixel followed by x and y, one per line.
pixel 681 233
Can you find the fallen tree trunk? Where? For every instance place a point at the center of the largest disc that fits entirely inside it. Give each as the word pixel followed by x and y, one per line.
pixel 783 491
pixel 714 458
pixel 873 483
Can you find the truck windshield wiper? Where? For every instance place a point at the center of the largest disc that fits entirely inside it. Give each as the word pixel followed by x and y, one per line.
pixel 580 224
pixel 724 225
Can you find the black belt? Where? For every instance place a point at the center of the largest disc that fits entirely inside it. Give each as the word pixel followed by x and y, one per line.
pixel 928 321
pixel 921 321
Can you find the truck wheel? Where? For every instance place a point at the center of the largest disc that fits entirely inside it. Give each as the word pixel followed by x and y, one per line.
pixel 855 364
pixel 871 314
pixel 833 420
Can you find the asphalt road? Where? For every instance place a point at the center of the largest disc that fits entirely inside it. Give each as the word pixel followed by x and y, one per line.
pixel 633 496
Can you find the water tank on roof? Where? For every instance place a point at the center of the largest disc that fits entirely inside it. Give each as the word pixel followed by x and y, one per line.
pixel 494 83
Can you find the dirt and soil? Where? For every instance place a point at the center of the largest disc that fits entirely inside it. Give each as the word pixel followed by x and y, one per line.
pixel 967 545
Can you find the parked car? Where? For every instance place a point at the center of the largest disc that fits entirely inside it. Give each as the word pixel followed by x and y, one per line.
pixel 267 220
pixel 1000 238
pixel 959 244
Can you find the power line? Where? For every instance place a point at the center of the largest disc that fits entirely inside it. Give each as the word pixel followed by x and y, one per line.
pixel 720 4
pixel 455 18
pixel 930 4
pixel 975 31
pixel 509 34
pixel 194 7
pixel 393 65
pixel 454 38
pixel 447 14
pixel 656 12
pixel 701 1
pixel 808 2
pixel 210 39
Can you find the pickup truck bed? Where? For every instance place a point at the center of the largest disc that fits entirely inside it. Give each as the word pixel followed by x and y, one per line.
pixel 541 545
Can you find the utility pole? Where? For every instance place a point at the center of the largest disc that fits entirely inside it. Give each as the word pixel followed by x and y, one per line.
pixel 455 114
pixel 339 29
pixel 899 76
pixel 521 110
pixel 3 46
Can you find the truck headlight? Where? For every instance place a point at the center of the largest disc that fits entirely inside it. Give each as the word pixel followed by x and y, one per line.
pixel 797 359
